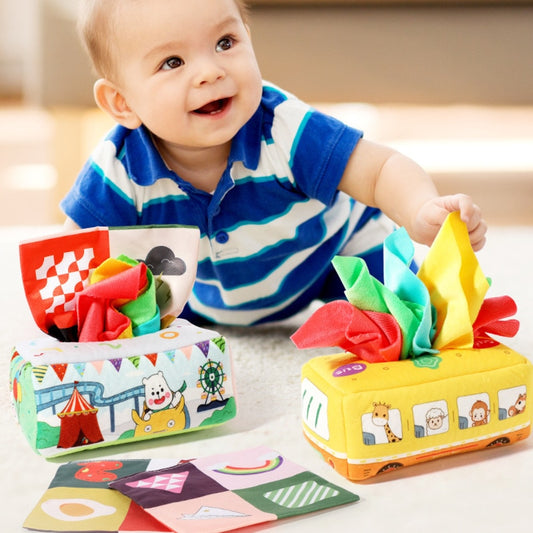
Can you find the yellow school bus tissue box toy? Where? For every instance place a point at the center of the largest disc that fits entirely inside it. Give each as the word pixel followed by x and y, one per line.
pixel 115 366
pixel 421 376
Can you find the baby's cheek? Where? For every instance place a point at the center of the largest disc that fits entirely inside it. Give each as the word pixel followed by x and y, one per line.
pixel 167 395
pixel 150 402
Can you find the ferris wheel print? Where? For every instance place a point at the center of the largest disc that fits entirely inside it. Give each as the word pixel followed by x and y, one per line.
pixel 211 381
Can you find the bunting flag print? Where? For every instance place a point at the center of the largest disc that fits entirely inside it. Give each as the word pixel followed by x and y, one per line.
pixel 171 355
pixel 117 363
pixel 220 342
pixel 135 360
pixel 204 347
pixel 60 369
pixel 80 368
pixel 98 366
pixel 39 372
pixel 152 357
pixel 187 351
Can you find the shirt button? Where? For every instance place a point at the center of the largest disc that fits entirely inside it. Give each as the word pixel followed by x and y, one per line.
pixel 222 237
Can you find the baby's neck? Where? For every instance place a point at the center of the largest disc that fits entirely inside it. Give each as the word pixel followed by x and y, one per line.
pixel 201 167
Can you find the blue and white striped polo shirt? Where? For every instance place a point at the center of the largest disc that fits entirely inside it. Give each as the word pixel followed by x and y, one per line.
pixel 271 227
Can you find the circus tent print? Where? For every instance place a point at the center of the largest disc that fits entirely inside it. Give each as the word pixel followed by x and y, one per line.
pixel 79 423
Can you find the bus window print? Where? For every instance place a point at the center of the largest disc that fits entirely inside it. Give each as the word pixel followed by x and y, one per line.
pixel 383 425
pixel 431 418
pixel 511 402
pixel 474 410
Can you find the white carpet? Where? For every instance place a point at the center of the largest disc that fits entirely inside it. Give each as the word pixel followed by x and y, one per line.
pixel 485 491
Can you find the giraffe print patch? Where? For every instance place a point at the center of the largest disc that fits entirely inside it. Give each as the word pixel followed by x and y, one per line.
pixel 383 425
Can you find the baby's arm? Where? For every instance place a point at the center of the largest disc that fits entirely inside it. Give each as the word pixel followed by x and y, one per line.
pixel 379 176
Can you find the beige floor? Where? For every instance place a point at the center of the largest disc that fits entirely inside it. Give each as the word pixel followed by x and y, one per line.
pixel 485 152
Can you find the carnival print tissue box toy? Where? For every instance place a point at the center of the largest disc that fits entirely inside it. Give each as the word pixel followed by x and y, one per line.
pixel 115 365
pixel 421 376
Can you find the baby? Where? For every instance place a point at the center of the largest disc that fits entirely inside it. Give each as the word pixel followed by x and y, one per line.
pixel 276 187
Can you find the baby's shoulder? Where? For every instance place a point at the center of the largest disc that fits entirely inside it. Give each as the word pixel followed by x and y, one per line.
pixel 125 139
pixel 128 148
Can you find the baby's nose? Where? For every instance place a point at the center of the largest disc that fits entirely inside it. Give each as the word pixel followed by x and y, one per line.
pixel 209 71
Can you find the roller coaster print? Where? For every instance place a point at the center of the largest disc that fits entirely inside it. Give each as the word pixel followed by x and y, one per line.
pixel 52 396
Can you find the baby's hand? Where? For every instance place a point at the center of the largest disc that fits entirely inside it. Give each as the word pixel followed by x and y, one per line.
pixel 432 214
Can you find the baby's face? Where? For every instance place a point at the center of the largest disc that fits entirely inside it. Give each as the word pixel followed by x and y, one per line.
pixel 187 69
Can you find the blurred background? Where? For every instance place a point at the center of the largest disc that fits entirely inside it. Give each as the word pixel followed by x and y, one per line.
pixel 449 83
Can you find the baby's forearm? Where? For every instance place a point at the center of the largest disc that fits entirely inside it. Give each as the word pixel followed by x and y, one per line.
pixel 407 194
pixel 402 187
pixel 381 177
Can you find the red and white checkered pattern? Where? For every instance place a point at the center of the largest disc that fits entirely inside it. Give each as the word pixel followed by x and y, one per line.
pixel 64 279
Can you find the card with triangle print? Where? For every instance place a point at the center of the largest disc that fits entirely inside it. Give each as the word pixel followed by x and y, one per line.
pixel 230 491
pixel 211 494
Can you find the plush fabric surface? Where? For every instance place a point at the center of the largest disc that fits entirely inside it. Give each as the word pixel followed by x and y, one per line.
pixel 486 491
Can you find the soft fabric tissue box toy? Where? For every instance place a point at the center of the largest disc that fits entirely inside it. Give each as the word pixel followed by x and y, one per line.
pixel 421 377
pixel 116 365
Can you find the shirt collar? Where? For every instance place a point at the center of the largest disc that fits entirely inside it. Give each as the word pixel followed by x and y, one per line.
pixel 140 156
pixel 146 165
pixel 246 145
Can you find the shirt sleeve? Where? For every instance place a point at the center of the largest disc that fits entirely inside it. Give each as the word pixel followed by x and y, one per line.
pixel 95 198
pixel 320 155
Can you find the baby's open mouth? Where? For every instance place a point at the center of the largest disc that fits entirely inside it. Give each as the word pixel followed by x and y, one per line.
pixel 212 108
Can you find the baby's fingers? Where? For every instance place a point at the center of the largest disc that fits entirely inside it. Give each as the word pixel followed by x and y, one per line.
pixel 471 215
pixel 478 235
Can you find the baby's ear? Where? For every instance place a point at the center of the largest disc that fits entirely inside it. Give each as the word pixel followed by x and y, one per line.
pixel 112 101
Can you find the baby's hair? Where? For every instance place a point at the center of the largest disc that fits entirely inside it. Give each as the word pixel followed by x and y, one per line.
pixel 96 19
pixel 95 23
pixel 244 10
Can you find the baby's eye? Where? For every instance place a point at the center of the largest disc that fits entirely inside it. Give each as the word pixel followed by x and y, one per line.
pixel 172 63
pixel 225 44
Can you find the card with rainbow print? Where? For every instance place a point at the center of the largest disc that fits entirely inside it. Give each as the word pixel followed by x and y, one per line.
pixel 207 495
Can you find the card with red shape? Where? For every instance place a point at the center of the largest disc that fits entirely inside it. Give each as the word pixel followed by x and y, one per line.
pixel 212 494
pixel 79 499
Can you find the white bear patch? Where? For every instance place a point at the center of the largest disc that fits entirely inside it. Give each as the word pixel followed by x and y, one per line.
pixel 158 395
